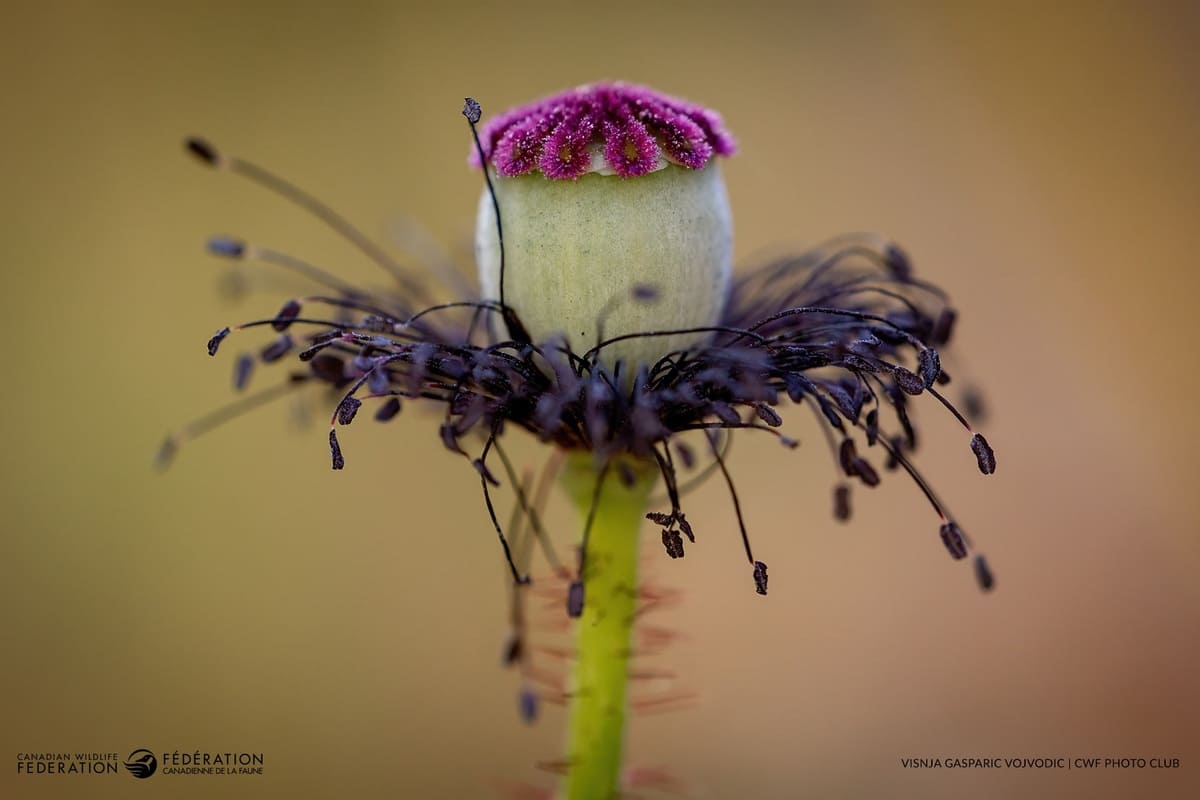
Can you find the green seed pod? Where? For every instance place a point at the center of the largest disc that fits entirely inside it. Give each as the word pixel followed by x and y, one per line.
pixel 605 256
pixel 616 222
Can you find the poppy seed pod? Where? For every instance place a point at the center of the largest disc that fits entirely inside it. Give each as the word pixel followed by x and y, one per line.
pixel 616 220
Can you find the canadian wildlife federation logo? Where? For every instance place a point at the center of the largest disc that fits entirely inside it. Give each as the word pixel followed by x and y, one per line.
pixel 141 763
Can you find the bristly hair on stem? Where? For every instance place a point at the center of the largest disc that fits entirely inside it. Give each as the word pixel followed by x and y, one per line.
pixel 845 329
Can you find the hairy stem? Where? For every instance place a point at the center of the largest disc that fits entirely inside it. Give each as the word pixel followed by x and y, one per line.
pixel 596 734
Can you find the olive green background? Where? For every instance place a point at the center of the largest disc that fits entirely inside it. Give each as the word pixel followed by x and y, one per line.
pixel 1042 164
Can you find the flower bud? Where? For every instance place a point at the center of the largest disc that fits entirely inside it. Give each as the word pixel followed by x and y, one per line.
pixel 615 220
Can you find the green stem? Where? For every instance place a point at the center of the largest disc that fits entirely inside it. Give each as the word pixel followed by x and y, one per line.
pixel 596 735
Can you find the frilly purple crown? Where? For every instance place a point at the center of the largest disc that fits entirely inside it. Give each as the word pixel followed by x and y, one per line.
pixel 630 129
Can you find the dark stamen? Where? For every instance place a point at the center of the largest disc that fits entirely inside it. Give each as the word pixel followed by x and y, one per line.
pixel 304 200
pixel 491 509
pixel 865 472
pixel 760 577
pixel 276 349
pixel 514 649
pixel 575 600
pixel 737 510
pixel 389 409
pixel 908 381
pixel 953 539
pixel 335 450
pixel 347 409
pixel 672 542
pixel 983 453
pixel 229 247
pixel 226 247
pixel 535 521
pixel 241 371
pixel 587 533
pixel 482 469
pixel 528 705
pixel 286 315
pixel 841 502
pixel 929 366
pixel 202 150
pixel 516 330
pixel 983 574
pixel 216 340
pixel 220 416
pixel 848 457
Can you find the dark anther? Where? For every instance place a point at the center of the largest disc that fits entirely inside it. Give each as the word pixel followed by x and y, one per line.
pixel 908 382
pixel 471 110
pixel 389 409
pixel 216 340
pixel 378 380
pixel 929 365
pixel 943 328
pixel 166 453
pixel 848 455
pixel 626 474
pixel 898 262
pixel 575 600
pixel 872 426
pixel 347 409
pixel 529 705
pixel 897 445
pixel 685 526
pixel 768 415
pixel 983 574
pixel 659 518
pixel 841 502
pixel 795 386
pixel 973 405
pixel 329 368
pixel 450 438
pixel 335 450
pixel 672 542
pixel 984 454
pixel 726 413
pixel 309 353
pixel 241 371
pixel 760 577
pixel 202 150
pixel 290 310
pixel 953 539
pixel 849 405
pixel 514 648
pixel 865 472
pixel 276 349
pixel 482 469
pixel 686 456
pixel 830 414
pixel 226 247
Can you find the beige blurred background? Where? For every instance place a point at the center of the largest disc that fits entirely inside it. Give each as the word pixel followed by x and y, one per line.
pixel 1042 164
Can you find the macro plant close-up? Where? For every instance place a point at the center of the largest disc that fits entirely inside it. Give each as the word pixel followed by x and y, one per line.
pixel 610 326
pixel 640 401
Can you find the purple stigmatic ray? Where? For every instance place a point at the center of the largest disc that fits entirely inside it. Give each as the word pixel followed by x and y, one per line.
pixel 632 129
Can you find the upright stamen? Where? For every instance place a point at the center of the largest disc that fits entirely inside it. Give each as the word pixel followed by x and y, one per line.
pixel 297 196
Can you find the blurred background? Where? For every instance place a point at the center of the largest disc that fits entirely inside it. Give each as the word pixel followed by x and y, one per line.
pixel 1039 162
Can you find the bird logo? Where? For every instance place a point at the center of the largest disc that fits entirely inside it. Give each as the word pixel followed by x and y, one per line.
pixel 141 763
